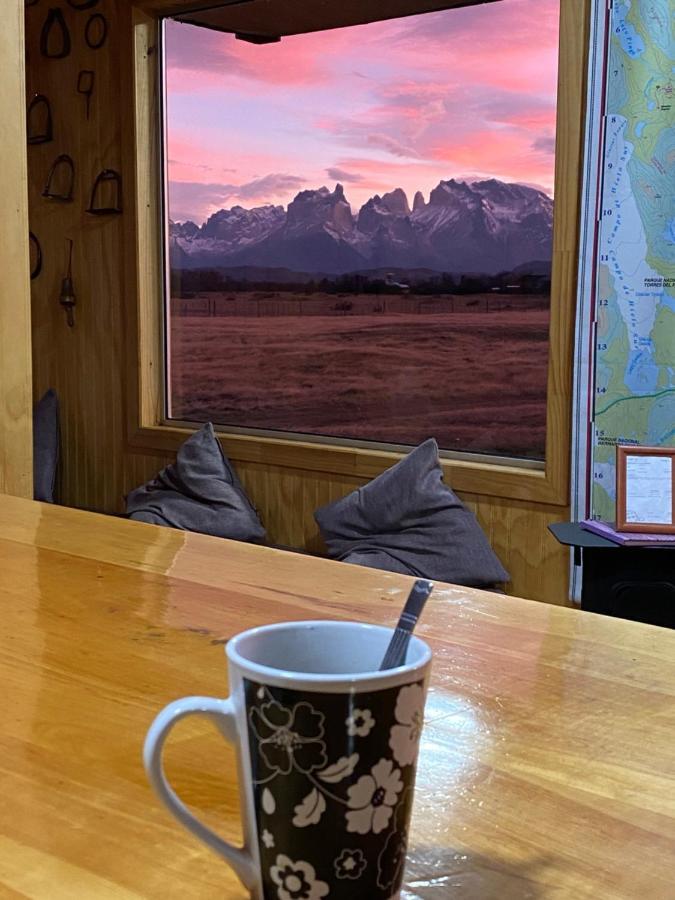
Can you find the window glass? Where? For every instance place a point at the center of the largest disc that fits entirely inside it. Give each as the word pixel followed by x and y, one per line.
pixel 359 228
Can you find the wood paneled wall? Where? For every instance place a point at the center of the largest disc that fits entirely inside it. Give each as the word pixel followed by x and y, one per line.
pixel 286 499
pixel 87 364
pixel 16 444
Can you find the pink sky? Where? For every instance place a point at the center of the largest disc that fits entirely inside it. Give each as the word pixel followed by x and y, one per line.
pixel 406 103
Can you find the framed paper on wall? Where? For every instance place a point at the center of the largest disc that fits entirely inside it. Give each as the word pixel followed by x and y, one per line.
pixel 645 489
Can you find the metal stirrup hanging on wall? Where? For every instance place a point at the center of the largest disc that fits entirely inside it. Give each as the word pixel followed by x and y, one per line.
pixel 39 120
pixel 82 4
pixel 105 200
pixel 96 31
pixel 60 180
pixel 54 21
pixel 36 268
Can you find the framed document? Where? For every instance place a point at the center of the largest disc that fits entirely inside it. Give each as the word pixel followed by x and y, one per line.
pixel 645 489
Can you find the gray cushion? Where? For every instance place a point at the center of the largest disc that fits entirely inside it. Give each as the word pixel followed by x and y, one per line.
pixel 199 492
pixel 407 520
pixel 45 446
pixel 378 559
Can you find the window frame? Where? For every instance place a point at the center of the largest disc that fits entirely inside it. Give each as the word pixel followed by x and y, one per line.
pixel 147 428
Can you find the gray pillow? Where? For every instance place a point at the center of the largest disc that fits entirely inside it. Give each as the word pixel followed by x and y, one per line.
pixel 199 492
pixel 45 446
pixel 407 520
pixel 378 559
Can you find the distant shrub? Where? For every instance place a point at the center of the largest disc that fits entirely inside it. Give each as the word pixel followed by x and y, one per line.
pixel 343 306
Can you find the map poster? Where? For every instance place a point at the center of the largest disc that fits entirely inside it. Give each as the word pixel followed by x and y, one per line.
pixel 634 368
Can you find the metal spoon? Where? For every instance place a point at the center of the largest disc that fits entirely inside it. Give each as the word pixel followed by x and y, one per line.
pixel 398 645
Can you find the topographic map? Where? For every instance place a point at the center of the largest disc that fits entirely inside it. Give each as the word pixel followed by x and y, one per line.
pixel 635 336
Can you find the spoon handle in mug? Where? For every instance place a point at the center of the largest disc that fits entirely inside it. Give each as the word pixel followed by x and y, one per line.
pixel 398 646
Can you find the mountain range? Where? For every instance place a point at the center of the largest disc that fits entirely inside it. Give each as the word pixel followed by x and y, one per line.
pixel 480 226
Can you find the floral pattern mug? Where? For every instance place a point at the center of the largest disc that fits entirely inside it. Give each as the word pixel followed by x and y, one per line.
pixel 327 747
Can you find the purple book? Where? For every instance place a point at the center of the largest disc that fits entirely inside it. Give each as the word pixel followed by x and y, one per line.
pixel 604 529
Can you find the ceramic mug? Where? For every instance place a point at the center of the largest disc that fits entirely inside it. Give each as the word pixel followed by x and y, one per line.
pixel 326 748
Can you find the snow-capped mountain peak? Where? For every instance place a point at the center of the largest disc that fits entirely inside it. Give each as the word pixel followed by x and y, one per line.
pixel 484 226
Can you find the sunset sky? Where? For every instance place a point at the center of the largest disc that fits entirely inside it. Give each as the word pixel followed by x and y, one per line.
pixel 462 93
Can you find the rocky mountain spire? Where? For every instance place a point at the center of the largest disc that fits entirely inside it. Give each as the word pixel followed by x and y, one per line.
pixel 418 202
pixel 396 202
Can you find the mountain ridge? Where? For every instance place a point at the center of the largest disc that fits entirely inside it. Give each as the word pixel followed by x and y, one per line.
pixel 486 226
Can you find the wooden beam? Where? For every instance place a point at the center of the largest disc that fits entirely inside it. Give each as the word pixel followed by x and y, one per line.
pixel 285 17
pixel 16 395
pixel 277 18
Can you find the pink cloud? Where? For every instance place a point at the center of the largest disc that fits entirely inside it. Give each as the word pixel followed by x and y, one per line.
pixel 511 157
pixel 196 200
pixel 194 157
pixel 272 185
pixel 403 102
pixel 337 174
pixel 392 145
pixel 514 24
pixel 207 57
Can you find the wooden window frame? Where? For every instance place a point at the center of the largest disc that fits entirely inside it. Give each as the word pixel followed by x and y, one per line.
pixel 146 430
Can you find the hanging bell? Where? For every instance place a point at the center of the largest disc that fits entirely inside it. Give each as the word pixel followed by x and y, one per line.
pixel 106 194
pixel 67 299
pixel 67 295
pixel 60 180
pixel 39 120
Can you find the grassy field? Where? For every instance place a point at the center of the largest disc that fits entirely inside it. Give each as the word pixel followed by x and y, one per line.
pixel 473 379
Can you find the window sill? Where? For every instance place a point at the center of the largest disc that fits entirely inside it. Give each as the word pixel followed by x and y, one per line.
pixel 469 476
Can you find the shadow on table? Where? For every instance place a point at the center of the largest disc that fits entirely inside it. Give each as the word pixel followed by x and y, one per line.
pixel 433 872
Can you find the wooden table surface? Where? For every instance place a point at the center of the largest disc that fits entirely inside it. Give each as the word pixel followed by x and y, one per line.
pixel 547 766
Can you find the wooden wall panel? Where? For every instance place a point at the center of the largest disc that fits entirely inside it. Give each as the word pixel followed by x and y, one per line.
pixel 139 468
pixel 286 500
pixel 16 444
pixel 519 534
pixel 85 363
pixel 88 365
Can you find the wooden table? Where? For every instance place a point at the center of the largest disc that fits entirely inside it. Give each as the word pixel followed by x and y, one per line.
pixel 548 759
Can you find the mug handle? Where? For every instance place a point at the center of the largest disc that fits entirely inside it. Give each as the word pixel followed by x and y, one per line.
pixel 222 714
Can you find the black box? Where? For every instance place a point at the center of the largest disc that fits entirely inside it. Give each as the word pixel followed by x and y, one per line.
pixel 636 583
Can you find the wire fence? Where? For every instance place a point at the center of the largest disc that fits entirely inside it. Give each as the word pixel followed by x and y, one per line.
pixel 264 304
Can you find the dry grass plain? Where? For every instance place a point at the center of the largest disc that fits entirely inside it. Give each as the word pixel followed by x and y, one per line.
pixel 474 379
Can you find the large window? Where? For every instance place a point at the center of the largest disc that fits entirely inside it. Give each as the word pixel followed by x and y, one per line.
pixel 359 228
